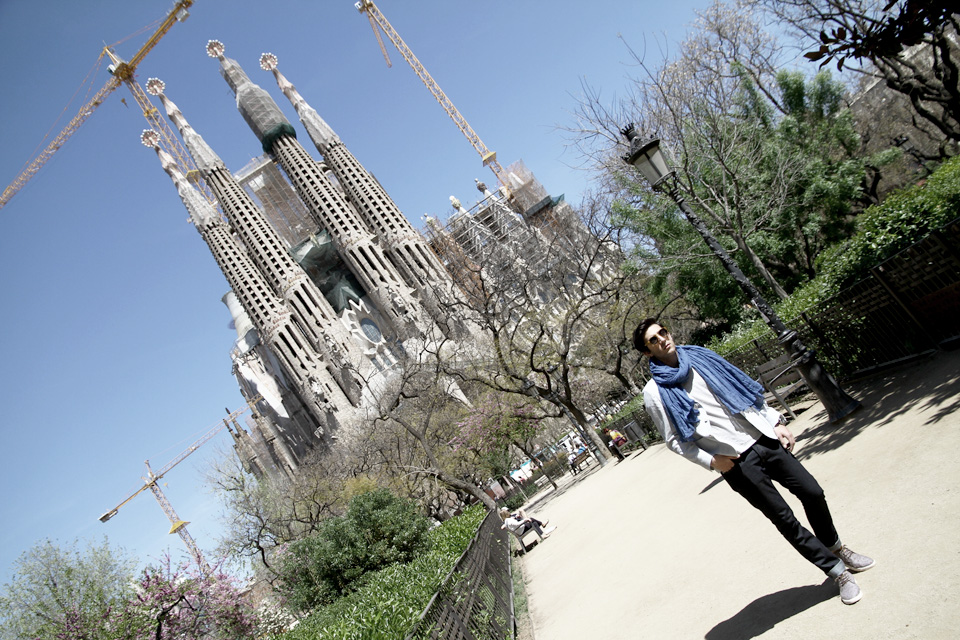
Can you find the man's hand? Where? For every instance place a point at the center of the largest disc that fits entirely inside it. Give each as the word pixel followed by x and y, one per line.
pixel 786 438
pixel 723 463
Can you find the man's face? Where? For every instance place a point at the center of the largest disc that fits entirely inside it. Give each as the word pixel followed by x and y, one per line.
pixel 659 341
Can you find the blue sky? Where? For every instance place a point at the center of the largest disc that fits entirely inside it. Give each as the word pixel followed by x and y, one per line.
pixel 113 341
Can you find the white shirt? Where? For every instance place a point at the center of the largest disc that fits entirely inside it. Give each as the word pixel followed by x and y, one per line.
pixel 719 432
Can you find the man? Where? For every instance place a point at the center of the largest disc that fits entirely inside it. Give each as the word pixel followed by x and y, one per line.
pixel 713 414
pixel 572 459
pixel 519 523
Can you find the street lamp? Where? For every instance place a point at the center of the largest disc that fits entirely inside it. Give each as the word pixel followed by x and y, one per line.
pixel 646 156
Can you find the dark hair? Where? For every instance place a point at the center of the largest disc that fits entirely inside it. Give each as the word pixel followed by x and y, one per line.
pixel 638 342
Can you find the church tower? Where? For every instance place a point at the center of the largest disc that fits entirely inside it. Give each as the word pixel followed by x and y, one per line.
pixel 406 248
pixel 273 322
pixel 356 243
pixel 311 311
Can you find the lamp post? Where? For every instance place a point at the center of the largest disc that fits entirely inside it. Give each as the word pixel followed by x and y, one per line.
pixel 646 156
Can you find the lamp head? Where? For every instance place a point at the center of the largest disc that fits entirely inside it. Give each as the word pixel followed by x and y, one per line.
pixel 645 155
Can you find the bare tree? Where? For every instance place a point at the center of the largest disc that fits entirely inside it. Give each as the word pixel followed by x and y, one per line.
pixel 262 516
pixel 535 296
pixel 414 423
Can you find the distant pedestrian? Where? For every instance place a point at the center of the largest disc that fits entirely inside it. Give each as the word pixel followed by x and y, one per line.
pixel 615 442
pixel 713 414
pixel 572 459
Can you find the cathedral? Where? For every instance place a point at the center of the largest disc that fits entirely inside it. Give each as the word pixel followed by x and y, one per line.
pixel 330 284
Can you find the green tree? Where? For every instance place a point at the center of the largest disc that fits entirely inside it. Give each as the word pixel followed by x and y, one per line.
pixel 378 530
pixel 766 157
pixel 65 592
pixel 830 184
pixel 910 45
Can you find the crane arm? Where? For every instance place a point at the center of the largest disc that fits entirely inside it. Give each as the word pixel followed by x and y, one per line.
pixel 177 14
pixel 489 157
pixel 151 479
pixel 85 112
pixel 121 72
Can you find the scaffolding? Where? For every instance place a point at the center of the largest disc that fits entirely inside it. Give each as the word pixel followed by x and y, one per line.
pixel 279 202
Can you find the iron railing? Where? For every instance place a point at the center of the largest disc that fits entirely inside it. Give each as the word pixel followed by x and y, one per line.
pixel 909 305
pixel 475 601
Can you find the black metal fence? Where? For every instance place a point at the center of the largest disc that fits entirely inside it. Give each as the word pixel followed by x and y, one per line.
pixel 908 305
pixel 475 601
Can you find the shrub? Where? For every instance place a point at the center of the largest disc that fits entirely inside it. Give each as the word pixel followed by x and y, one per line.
pixel 515 501
pixel 390 601
pixel 378 529
pixel 904 218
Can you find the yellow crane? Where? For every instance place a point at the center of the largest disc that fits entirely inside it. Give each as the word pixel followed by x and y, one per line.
pixel 177 525
pixel 122 72
pixel 378 22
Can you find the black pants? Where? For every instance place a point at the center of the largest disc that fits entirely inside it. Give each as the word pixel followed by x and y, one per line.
pixel 752 477
pixel 532 523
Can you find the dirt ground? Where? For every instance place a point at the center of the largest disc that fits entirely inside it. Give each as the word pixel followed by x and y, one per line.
pixel 656 547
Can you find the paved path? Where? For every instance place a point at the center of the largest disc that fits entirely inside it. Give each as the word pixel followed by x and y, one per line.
pixel 656 547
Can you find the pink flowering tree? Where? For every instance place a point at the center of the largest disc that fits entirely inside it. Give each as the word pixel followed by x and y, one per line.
pixel 177 601
pixel 499 420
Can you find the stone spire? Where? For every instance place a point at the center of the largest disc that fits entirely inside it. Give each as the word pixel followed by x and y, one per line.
pixel 414 260
pixel 317 128
pixel 356 244
pixel 204 157
pixel 256 106
pixel 286 279
pixel 201 212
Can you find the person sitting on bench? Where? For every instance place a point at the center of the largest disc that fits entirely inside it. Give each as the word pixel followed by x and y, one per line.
pixel 519 523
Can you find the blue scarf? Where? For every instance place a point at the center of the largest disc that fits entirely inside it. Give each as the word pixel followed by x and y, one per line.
pixel 735 389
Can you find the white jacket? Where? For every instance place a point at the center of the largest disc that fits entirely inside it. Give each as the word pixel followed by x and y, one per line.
pixel 708 440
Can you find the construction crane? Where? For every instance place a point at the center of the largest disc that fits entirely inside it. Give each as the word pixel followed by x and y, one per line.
pixel 378 22
pixel 177 525
pixel 122 72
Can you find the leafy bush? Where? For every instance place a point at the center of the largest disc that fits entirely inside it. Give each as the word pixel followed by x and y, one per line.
pixel 378 530
pixel 904 218
pixel 389 602
pixel 515 501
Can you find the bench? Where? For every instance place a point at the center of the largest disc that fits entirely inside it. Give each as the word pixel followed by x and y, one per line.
pixel 780 378
pixel 519 537
pixel 582 458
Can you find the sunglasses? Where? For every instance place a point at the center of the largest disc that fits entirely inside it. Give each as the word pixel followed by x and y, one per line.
pixel 658 337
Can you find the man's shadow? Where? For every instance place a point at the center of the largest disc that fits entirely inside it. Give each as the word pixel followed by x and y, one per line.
pixel 764 613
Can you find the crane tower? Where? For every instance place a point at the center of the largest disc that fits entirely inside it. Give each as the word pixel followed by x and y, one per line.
pixel 121 72
pixel 379 21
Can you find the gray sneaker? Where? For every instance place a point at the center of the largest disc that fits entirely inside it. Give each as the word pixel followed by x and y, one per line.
pixel 849 589
pixel 854 561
